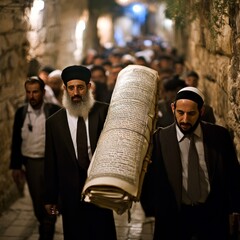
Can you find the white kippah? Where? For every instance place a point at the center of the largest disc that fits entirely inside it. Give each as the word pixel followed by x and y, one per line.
pixel 55 73
pixel 191 93
pixel 192 89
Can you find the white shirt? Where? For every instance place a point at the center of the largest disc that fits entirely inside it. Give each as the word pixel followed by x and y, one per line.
pixel 184 144
pixel 72 123
pixel 33 142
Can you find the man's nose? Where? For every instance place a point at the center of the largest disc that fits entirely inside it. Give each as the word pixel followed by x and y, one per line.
pixel 75 91
pixel 185 118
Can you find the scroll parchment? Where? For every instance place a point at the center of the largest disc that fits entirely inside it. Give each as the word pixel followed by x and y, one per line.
pixel 117 168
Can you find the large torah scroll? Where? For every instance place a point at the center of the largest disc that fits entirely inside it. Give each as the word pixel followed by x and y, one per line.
pixel 123 151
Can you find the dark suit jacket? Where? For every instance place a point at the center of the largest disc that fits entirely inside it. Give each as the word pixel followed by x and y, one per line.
pixel 65 179
pixel 208 115
pixel 16 156
pixel 162 188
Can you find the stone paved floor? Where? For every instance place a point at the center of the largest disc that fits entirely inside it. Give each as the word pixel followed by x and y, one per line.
pixel 18 223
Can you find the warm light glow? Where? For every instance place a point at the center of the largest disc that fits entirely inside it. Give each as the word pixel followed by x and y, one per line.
pixel 168 23
pixel 36 14
pixel 79 35
pixel 81 25
pixel 124 2
pixel 105 29
pixel 38 5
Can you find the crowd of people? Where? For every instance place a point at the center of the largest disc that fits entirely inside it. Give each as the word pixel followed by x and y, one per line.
pixel 55 135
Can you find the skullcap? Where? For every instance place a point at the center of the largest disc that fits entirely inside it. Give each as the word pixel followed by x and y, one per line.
pixel 76 72
pixel 56 73
pixel 191 93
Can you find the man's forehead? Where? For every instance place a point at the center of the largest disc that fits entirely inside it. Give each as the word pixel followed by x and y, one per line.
pixel 32 85
pixel 186 103
pixel 76 82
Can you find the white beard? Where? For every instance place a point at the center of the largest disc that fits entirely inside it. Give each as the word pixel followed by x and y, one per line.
pixel 80 109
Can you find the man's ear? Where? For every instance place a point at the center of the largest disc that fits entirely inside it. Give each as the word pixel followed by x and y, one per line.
pixel 89 85
pixel 173 106
pixel 202 111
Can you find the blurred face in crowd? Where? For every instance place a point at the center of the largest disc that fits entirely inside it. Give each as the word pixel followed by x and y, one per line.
pixel 112 77
pixel 34 95
pixel 56 84
pixel 78 98
pixel 98 76
pixel 191 81
pixel 44 76
pixel 179 68
pixel 187 115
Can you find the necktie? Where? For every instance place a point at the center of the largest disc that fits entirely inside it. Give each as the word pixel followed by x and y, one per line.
pixel 82 148
pixel 194 190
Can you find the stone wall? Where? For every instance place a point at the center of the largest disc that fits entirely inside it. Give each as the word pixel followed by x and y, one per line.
pixel 13 67
pixel 217 62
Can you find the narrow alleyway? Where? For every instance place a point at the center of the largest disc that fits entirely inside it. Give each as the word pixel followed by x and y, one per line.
pixel 18 223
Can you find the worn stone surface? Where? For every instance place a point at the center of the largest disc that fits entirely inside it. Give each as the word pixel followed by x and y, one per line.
pixel 218 67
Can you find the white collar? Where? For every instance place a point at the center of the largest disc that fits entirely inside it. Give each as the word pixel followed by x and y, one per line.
pixel 180 135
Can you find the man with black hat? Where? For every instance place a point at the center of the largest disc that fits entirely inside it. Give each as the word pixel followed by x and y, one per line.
pixel 193 183
pixel 71 139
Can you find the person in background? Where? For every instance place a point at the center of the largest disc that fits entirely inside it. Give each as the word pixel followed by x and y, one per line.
pixel 191 80
pixel 99 91
pixel 99 83
pixel 141 61
pixel 115 57
pixel 98 59
pixel 165 61
pixel 44 72
pixel 56 84
pixel 71 139
pixel 193 182
pixel 98 74
pixel 107 65
pixel 89 58
pixel 164 74
pixel 179 67
pixel 170 88
pixel 28 150
pixel 111 80
pixel 49 94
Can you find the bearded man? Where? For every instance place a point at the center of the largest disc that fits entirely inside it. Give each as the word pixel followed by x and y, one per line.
pixel 71 138
pixel 193 183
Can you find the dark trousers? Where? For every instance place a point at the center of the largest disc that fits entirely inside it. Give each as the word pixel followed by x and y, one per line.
pixel 35 180
pixel 196 223
pixel 191 223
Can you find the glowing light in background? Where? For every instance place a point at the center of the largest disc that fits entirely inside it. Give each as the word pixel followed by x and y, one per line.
pixel 168 23
pixel 137 8
pixel 137 12
pixel 36 14
pixel 124 2
pixel 81 26
pixel 79 35
pixel 38 5
pixel 105 29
